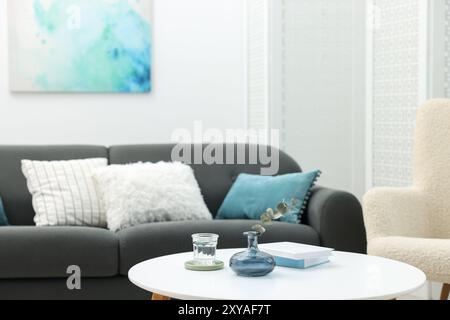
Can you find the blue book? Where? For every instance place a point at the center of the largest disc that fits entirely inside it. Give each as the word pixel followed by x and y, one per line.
pixel 300 264
pixel 297 255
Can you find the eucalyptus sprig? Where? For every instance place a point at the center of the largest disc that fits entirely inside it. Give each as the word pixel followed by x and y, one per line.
pixel 282 209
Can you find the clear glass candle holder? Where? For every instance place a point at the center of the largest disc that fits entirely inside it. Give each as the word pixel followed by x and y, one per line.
pixel 205 245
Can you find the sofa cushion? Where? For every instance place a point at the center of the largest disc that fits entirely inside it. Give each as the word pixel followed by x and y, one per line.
pixel 64 193
pixel 46 252
pixel 3 217
pixel 251 195
pixel 152 240
pixel 149 192
pixel 13 185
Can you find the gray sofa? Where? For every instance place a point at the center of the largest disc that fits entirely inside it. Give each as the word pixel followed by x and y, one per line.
pixel 33 261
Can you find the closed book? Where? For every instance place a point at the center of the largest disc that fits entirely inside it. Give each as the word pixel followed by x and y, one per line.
pixel 300 264
pixel 296 251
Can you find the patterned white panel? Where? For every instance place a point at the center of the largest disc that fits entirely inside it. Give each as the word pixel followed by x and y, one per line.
pixel 447 48
pixel 257 63
pixel 396 87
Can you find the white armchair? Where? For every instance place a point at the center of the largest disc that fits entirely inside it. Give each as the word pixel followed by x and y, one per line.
pixel 413 224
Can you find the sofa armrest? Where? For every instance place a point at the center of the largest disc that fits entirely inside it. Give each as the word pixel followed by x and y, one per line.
pixel 337 217
pixel 395 212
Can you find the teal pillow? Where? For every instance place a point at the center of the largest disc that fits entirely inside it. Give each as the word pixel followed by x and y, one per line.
pixel 251 195
pixel 3 218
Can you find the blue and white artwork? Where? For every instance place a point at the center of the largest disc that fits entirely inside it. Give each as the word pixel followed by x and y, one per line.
pixel 80 45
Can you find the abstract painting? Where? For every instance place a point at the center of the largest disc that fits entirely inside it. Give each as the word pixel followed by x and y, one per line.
pixel 80 45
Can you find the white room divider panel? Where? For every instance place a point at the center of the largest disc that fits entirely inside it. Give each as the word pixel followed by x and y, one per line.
pixel 447 49
pixel 320 114
pixel 398 86
pixel 317 87
pixel 439 75
pixel 257 56
pixel 312 83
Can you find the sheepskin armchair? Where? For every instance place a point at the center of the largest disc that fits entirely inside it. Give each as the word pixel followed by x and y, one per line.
pixel 413 224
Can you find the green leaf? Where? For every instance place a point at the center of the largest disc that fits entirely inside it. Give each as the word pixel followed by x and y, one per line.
pixel 266 217
pixel 259 228
pixel 282 207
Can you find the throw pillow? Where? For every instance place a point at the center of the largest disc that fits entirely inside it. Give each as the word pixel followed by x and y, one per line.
pixel 252 195
pixel 3 217
pixel 150 192
pixel 64 192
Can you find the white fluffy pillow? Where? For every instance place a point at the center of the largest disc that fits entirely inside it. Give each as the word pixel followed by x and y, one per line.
pixel 150 192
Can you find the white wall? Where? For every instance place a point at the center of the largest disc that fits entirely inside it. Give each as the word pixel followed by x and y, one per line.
pixel 199 74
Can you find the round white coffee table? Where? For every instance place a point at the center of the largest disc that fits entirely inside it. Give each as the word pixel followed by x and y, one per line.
pixel 348 276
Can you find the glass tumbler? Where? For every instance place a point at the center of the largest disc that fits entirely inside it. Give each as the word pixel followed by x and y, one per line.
pixel 205 245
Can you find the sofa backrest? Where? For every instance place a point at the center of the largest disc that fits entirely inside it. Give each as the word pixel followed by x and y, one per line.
pixel 13 187
pixel 215 180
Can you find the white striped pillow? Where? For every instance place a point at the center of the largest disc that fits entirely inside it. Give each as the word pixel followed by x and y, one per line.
pixel 64 193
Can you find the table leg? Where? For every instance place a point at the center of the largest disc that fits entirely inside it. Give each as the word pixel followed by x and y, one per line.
pixel 158 297
pixel 445 291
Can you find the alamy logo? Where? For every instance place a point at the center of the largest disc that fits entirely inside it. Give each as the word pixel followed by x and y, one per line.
pixel 209 147
pixel 74 279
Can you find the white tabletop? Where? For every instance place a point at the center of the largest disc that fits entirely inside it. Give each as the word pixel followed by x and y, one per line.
pixel 348 276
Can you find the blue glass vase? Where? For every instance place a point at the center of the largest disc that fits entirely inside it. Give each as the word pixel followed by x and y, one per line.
pixel 252 262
